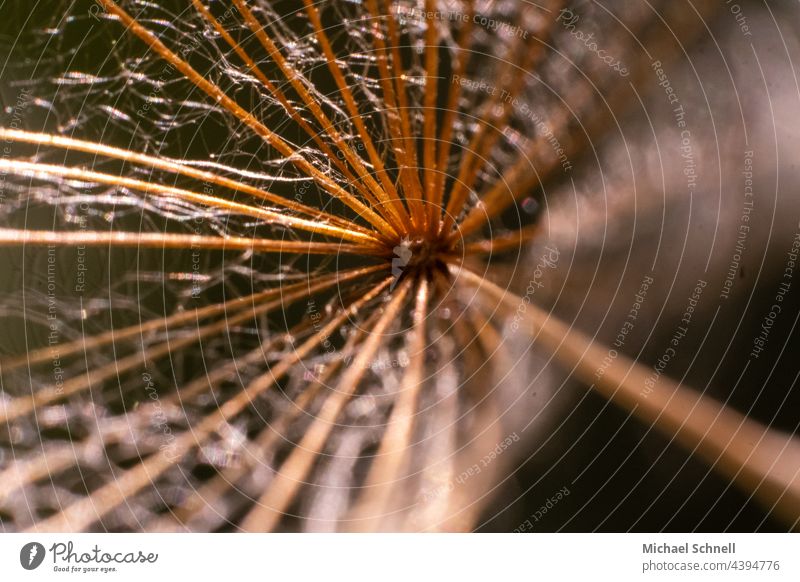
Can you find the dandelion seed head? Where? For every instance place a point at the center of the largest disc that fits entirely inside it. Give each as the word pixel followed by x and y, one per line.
pixel 282 212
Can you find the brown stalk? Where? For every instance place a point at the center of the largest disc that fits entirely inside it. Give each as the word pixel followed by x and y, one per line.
pixel 268 216
pixel 429 112
pixel 108 239
pixel 439 450
pixel 394 95
pixel 284 101
pixel 270 507
pixel 761 460
pixel 81 514
pixel 451 109
pixel 216 93
pixel 511 241
pixel 116 335
pixel 22 405
pixel 386 204
pixel 266 441
pixel 393 451
pixel 355 114
pixel 167 165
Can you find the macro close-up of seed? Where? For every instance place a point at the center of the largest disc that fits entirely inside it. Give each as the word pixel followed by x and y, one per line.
pixel 399 266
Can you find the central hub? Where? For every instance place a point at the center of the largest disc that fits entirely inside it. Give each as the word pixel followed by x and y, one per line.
pixel 420 251
pixel 417 254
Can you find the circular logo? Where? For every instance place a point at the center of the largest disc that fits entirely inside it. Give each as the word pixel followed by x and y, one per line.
pixel 31 555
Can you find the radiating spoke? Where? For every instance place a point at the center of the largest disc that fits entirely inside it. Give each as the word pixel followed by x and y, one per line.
pixel 397 114
pixel 13 237
pixel 181 168
pixel 284 101
pixel 393 450
pixel 87 344
pixel 391 197
pixel 383 203
pixel 268 216
pixel 429 112
pixel 216 93
pixel 202 499
pixel 515 240
pixel 82 513
pixel 463 52
pixel 22 405
pixel 276 498
pixel 763 461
